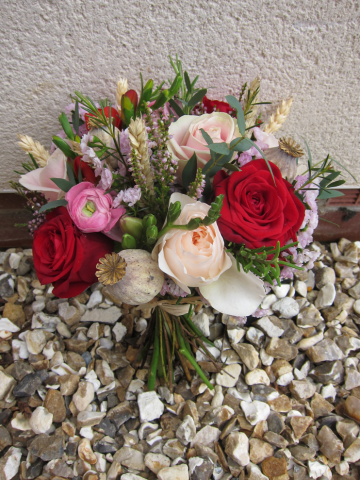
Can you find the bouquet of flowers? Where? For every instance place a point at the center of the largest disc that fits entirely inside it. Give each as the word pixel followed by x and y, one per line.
pixel 172 200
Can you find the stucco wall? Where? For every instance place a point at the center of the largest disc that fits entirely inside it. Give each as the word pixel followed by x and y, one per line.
pixel 305 49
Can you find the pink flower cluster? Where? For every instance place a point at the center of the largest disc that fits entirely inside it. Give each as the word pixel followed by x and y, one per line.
pixel 129 196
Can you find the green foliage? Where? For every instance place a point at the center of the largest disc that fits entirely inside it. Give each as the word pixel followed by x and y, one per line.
pixel 263 262
pixel 234 103
pixel 63 184
pixel 54 204
pixel 64 147
pixel 66 126
pixel 189 172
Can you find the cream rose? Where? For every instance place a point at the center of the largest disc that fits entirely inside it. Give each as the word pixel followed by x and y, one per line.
pixel 197 258
pixel 186 136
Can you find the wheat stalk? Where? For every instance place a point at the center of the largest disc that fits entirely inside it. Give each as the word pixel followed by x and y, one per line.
pixel 278 118
pixel 121 89
pixel 35 148
pixel 138 142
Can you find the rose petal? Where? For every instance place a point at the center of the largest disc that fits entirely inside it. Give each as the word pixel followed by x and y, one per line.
pixel 235 293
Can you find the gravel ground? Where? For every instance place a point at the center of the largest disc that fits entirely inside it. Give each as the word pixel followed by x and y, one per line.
pixel 74 405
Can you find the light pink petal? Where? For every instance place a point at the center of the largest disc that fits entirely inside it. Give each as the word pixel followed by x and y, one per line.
pixel 235 293
pixel 180 128
pixel 116 214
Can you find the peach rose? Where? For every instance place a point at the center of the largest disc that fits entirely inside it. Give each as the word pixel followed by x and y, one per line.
pixel 186 137
pixel 197 258
pixel 39 180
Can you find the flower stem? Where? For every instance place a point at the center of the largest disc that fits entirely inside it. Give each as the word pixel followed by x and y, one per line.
pixel 155 357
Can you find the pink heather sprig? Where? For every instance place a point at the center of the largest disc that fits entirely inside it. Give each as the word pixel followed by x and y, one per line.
pixel 34 204
pixel 171 287
pixel 135 168
pixel 129 196
pixel 164 165
pixel 197 186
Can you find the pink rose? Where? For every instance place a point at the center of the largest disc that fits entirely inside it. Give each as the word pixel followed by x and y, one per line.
pixel 39 180
pixel 91 210
pixel 187 139
pixel 197 258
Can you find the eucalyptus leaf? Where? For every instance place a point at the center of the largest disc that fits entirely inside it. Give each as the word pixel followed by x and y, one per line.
pixel 54 204
pixel 177 109
pixel 213 166
pixel 70 174
pixel 76 118
pixel 66 126
pixel 242 146
pixel 206 136
pixel 63 184
pixel 197 97
pixel 325 194
pixel 189 172
pixel 232 167
pixel 221 148
pixel 336 184
pixel 234 103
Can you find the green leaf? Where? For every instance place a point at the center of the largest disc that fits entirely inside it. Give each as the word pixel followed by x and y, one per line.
pixel 187 81
pixel 70 174
pixel 64 147
pixel 194 81
pixel 216 164
pixel 232 167
pixel 177 109
pixel 54 204
pixel 325 194
pixel 336 184
pixel 206 136
pixel 76 118
pixel 33 161
pixel 266 160
pixel 242 146
pixel 161 100
pixel 197 97
pixel 234 103
pixel 175 86
pixel 127 108
pixel 63 184
pixel 66 126
pixel 342 166
pixel 221 148
pixel 189 172
pixel 147 92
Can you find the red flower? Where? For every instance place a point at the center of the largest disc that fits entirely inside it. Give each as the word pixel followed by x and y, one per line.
pixel 66 257
pixel 114 117
pixel 216 106
pixel 255 211
pixel 87 172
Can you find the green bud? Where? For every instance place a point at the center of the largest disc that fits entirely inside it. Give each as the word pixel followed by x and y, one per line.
pixel 131 225
pixel 151 234
pixel 149 220
pixel 128 242
pixel 174 211
pixel 193 224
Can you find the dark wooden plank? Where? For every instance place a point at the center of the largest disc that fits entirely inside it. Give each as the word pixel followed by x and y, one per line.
pixel 12 212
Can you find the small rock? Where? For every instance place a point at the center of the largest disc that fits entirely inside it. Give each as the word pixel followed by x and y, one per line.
pixel 275 422
pixel 10 463
pixel 255 411
pixel 186 431
pixel 95 299
pixel 352 453
pixel 206 436
pixel 324 351
pixel 174 449
pixel 54 403
pixel 300 425
pixel 228 376
pixel 257 376
pixel 35 341
pixel 309 317
pixel 110 315
pixel 259 450
pixel 287 307
pixel 324 276
pixel 274 468
pixel 201 320
pixel 85 452
pixel 150 407
pixel 5 438
pixel 179 472
pixel 320 406
pixel 119 331
pixel 237 447
pixel 89 419
pixel 280 348
pixel 302 389
pixel 248 354
pixel 83 396
pixel 6 384
pixel 352 407
pixel 330 445
pixel 47 447
pixel 326 296
pixel 41 420
pixel 156 462
pixel 317 469
pixel 272 326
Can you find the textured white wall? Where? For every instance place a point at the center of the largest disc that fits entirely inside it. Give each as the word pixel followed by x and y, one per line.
pixel 300 48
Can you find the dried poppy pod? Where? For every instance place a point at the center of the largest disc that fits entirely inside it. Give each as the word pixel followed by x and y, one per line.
pixel 142 281
pixel 285 157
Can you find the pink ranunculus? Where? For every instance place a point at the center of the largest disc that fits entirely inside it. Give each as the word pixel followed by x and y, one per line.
pixel 91 210
pixel 186 137
pixel 39 180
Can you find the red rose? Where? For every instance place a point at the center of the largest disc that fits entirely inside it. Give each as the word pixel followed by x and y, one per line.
pixel 255 211
pixel 66 257
pixel 216 106
pixel 87 172
pixel 115 117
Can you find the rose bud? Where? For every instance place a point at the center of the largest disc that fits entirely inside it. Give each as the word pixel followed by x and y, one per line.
pixel 151 234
